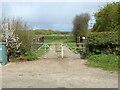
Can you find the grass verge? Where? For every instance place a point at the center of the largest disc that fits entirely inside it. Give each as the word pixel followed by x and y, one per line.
pixel 107 62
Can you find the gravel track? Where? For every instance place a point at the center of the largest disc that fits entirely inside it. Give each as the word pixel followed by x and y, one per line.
pixel 51 71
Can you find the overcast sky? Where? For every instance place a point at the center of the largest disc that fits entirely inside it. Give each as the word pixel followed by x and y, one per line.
pixel 50 15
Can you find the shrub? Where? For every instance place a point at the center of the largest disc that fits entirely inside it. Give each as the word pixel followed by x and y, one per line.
pixel 14 46
pixel 26 37
pixel 107 18
pixel 16 29
pixel 104 61
pixel 102 38
pixel 103 42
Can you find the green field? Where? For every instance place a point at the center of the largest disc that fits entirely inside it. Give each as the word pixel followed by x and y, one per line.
pixel 62 39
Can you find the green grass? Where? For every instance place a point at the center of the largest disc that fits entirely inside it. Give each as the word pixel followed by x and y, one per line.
pixel 62 39
pixel 106 62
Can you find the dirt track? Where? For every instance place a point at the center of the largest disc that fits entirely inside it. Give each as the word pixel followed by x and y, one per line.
pixel 54 72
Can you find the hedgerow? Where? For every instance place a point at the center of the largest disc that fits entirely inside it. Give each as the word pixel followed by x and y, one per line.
pixel 103 42
pixel 102 38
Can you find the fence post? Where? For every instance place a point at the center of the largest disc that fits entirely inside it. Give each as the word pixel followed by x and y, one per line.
pixel 62 50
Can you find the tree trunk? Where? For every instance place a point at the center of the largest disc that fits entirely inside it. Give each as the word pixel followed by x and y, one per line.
pixel 77 41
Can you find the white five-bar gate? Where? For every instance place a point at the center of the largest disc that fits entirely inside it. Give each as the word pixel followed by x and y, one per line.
pixel 61 50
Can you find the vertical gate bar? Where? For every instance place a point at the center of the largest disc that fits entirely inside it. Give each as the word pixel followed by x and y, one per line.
pixel 62 50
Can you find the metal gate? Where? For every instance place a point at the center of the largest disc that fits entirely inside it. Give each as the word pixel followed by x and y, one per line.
pixel 51 50
pixel 74 50
pixel 62 50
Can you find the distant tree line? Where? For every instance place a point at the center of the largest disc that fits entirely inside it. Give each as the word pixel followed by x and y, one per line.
pixel 48 32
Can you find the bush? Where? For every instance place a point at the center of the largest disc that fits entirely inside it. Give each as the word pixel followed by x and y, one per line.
pixel 103 42
pixel 107 18
pixel 14 46
pixel 104 61
pixel 20 38
pixel 102 38
pixel 26 37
